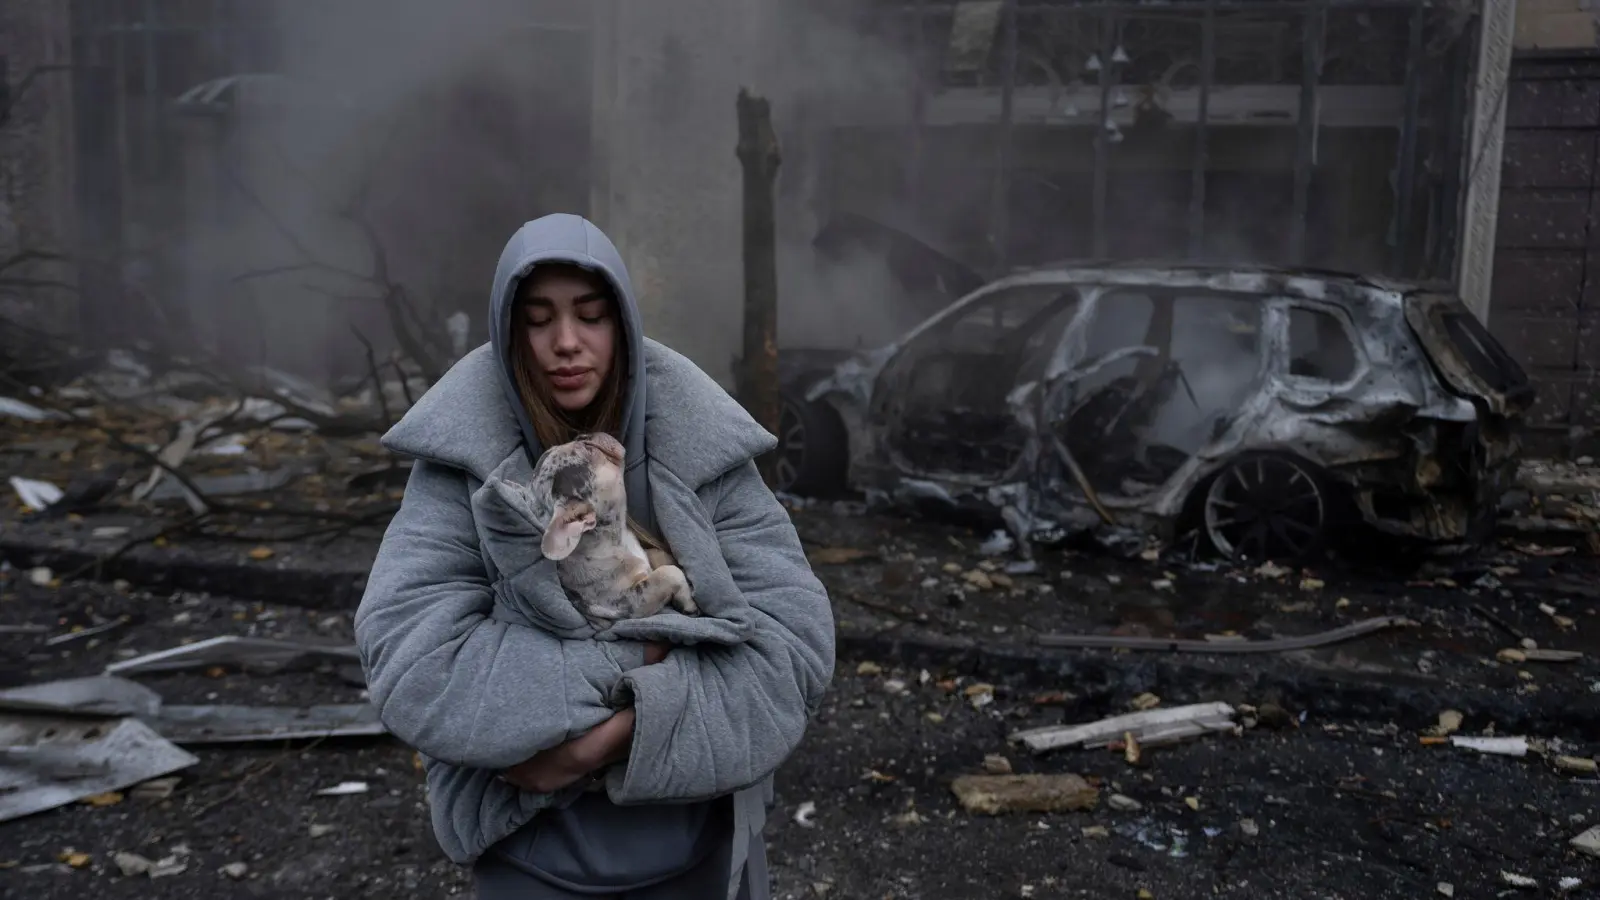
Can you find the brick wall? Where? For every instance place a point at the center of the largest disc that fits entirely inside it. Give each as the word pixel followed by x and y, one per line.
pixel 35 153
pixel 1556 24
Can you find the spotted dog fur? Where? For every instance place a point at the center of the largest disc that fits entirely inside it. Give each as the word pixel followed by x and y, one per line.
pixel 601 563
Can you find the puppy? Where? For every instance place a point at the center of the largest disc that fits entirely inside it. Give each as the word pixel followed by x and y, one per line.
pixel 598 558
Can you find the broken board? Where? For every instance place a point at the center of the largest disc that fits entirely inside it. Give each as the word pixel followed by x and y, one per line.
pixel 230 650
pixel 99 695
pixel 1155 725
pixel 242 724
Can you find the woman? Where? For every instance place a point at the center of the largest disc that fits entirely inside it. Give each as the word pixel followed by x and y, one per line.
pixel 631 763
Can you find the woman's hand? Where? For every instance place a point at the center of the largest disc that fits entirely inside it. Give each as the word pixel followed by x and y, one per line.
pixel 565 764
pixel 655 652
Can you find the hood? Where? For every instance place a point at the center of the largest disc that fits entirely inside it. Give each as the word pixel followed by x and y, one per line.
pixel 565 238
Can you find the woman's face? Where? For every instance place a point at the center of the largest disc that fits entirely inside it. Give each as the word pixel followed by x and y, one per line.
pixel 571 325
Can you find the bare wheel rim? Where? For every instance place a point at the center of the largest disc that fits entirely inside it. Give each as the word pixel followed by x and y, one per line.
pixel 791 447
pixel 1266 507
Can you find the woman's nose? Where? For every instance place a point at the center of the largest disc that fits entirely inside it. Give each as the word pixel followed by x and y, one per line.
pixel 566 336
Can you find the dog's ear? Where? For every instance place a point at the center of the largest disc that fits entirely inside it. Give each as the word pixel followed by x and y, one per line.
pixel 569 523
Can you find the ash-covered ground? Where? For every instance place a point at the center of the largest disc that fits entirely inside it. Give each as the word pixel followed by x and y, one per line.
pixel 1337 796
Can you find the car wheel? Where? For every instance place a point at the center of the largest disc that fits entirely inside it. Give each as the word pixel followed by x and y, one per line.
pixel 1266 506
pixel 812 455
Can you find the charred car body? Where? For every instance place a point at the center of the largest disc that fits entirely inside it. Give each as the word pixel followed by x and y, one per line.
pixel 1258 406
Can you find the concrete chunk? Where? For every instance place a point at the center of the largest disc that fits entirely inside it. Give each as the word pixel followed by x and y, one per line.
pixel 993 795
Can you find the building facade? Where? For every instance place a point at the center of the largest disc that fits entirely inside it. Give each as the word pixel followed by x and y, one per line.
pixel 1545 296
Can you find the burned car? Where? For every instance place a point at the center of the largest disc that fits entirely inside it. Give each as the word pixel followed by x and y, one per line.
pixel 1264 409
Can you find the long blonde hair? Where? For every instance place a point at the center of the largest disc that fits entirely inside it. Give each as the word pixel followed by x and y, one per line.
pixel 553 425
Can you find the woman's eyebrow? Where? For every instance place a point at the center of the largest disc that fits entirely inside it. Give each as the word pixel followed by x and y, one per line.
pixel 547 303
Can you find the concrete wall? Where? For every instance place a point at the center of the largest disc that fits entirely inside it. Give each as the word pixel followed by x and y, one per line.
pixel 36 204
pixel 666 183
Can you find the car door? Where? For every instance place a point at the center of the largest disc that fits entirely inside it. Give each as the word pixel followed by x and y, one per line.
pixel 943 400
pixel 1152 375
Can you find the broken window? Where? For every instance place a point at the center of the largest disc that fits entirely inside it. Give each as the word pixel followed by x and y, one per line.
pixel 945 393
pixel 1487 359
pixel 1161 376
pixel 1319 346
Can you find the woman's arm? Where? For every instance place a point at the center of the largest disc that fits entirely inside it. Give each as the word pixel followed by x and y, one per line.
pixel 446 678
pixel 715 719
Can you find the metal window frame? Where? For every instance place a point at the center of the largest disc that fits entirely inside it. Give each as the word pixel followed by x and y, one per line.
pixel 1403 257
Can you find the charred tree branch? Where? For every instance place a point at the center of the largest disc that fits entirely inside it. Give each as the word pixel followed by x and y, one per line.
pixel 760 157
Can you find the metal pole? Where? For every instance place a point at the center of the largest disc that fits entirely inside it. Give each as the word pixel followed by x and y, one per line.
pixel 1000 210
pixel 1102 137
pixel 1197 188
pixel 1305 153
pixel 1406 152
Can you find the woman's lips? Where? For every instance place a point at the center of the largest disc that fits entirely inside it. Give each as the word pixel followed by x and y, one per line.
pixel 568 379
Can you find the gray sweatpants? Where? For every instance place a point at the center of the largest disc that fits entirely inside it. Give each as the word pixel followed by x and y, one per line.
pixel 496 879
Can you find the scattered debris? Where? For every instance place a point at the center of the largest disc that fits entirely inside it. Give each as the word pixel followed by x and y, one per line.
pixel 1145 701
pixel 48 761
pixel 27 412
pixel 995 764
pixel 80 634
pixel 1151 727
pixel 155 789
pixel 1274 717
pixel 1495 746
pixel 1518 881
pixel 132 864
pixel 1449 723
pixel 1576 765
pixel 190 725
pixel 993 795
pixel 1123 803
pixel 999 544
pixel 235 870
pixel 230 649
pixel 802 815
pixel 1180 645
pixel 1538 654
pixel 100 695
pixel 1588 842
pixel 37 496
pixel 343 789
